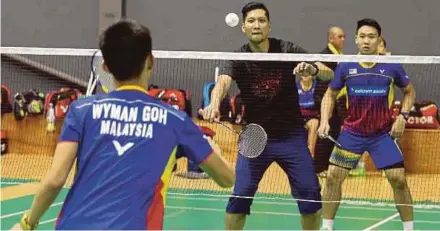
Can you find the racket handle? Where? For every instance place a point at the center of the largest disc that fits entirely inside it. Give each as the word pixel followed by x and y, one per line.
pixel 89 85
pixel 224 125
pixel 334 141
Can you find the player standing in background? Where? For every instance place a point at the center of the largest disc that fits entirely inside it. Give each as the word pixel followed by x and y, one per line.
pixel 125 143
pixel 382 49
pixel 369 125
pixel 335 45
pixel 324 147
pixel 268 89
pixel 309 109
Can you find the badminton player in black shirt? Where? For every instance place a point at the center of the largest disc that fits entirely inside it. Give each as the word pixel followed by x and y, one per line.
pixel 268 89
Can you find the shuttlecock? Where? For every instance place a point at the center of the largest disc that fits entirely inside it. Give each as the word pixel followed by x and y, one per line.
pixel 232 19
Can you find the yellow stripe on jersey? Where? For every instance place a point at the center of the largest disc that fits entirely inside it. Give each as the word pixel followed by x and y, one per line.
pixel 166 175
pixel 132 87
pixel 342 93
pixel 367 65
pixel 391 94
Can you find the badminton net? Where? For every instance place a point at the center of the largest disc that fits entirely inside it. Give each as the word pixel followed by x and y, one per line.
pixel 46 69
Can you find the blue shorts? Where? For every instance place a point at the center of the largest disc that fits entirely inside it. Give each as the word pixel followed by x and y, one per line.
pixel 294 157
pixel 383 149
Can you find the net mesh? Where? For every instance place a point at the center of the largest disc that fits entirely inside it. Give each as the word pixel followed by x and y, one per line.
pixel 31 147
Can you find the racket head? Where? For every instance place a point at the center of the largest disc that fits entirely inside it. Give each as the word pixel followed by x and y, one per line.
pixel 252 141
pixel 102 81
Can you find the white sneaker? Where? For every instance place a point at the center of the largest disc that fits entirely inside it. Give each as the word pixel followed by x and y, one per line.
pixel 326 228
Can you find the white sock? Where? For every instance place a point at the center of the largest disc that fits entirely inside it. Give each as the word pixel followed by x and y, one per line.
pixel 408 225
pixel 327 223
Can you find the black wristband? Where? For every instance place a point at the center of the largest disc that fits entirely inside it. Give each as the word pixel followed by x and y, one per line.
pixel 317 69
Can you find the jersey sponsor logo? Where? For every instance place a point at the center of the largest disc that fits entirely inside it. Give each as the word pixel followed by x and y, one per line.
pixel 307 103
pixel 122 149
pixel 352 71
pixel 369 90
pixel 382 71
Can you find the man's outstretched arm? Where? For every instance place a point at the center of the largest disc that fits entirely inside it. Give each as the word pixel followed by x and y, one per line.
pixel 52 183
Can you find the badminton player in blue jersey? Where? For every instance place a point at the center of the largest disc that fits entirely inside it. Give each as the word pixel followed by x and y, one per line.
pixel 368 125
pixel 125 143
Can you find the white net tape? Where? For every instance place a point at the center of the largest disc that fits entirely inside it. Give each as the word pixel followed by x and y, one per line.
pixel 200 55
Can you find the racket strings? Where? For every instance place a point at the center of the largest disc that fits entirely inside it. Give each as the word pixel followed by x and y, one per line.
pixel 100 81
pixel 252 141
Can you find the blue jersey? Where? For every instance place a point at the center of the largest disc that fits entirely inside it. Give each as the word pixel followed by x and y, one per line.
pixel 370 94
pixel 307 103
pixel 127 150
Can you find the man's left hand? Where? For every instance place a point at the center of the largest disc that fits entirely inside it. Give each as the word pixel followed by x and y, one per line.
pixel 305 69
pixel 398 127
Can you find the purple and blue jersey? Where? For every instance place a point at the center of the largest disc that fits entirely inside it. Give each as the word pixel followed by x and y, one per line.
pixel 127 144
pixel 370 94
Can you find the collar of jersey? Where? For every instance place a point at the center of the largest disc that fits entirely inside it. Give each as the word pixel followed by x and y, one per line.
pixel 365 65
pixel 333 49
pixel 131 88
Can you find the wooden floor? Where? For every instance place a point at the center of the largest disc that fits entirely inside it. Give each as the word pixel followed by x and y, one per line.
pixel 425 187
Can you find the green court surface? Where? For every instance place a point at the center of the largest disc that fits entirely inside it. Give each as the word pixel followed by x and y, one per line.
pixel 203 213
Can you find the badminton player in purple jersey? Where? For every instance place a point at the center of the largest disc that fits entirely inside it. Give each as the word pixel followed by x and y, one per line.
pixel 269 91
pixel 125 143
pixel 368 125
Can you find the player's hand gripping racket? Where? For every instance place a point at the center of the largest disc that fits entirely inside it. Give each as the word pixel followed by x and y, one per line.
pixel 100 80
pixel 252 139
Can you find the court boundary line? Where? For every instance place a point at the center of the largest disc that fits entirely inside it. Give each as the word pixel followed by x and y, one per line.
pixel 23 211
pixel 384 221
pixel 185 208
pixel 347 201
pixel 295 205
pixel 212 199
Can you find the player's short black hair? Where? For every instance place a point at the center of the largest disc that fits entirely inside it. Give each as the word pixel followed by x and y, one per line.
pixel 369 22
pixel 254 6
pixel 125 47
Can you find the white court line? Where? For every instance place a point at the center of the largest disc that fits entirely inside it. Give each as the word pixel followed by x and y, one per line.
pixel 256 202
pixel 294 204
pixel 183 209
pixel 21 212
pixel 375 225
pixel 267 213
pixel 8 182
pixel 293 214
pixel 174 214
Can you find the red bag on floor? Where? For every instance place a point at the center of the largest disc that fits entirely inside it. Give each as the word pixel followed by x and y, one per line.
pixel 425 116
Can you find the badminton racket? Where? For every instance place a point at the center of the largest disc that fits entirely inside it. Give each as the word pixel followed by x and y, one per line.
pixel 100 80
pixel 252 139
